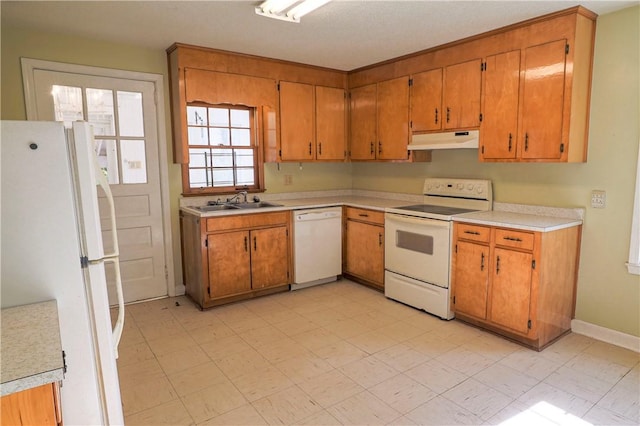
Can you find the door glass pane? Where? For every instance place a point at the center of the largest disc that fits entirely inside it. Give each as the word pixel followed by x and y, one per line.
pixel 134 164
pixel 219 136
pixel 219 117
pixel 222 158
pixel 199 157
pixel 239 118
pixel 241 137
pixel 245 176
pixel 130 114
pixel 100 112
pixel 223 177
pixel 198 136
pixel 196 116
pixel 107 151
pixel 67 103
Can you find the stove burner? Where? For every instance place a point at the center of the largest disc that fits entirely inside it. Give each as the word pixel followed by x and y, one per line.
pixel 441 210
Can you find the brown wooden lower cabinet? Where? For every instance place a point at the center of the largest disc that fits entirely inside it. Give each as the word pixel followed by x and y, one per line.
pixel 364 246
pixel 230 258
pixel 36 406
pixel 520 284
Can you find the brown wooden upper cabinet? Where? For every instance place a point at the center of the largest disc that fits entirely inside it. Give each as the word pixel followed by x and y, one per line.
pixel 446 99
pixel 312 122
pixel 380 120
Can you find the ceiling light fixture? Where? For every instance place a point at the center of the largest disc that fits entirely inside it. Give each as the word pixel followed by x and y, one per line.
pixel 289 10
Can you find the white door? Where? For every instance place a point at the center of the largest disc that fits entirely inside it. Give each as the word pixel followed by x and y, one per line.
pixel 123 115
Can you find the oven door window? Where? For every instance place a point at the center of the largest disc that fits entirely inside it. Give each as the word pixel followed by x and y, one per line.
pixel 415 242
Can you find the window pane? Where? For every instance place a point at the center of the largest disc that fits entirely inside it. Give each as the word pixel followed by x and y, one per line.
pixel 107 152
pixel 196 116
pixel 241 137
pixel 67 102
pixel 134 164
pixel 244 157
pixel 239 118
pixel 130 114
pixel 198 136
pixel 199 157
pixel 100 112
pixel 223 177
pixel 198 178
pixel 222 158
pixel 219 117
pixel 245 176
pixel 219 136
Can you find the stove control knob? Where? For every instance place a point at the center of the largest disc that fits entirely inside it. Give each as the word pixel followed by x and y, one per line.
pixel 460 186
pixel 470 186
pixel 480 190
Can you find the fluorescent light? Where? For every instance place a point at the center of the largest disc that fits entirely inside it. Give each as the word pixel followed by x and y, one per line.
pixel 305 7
pixel 276 8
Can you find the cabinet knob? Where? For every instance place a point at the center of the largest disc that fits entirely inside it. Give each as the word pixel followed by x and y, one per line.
pixel 509 142
pixel 309 148
pixel 436 120
pixel 448 114
pixel 379 147
pixel 380 239
pixel 526 141
pixel 482 261
pixel 372 149
pixel 498 265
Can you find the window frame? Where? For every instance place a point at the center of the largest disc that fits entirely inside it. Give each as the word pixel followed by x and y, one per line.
pixel 255 146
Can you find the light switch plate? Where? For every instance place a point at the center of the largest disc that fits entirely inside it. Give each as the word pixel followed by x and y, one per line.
pixel 598 199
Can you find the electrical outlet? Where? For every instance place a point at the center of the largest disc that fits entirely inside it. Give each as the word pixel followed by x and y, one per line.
pixel 288 179
pixel 598 199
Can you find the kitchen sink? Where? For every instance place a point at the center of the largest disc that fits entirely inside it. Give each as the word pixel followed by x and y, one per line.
pixel 256 205
pixel 216 207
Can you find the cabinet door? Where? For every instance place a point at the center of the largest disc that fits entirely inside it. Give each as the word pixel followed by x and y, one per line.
pixel 229 260
pixel 296 121
pixel 363 123
pixel 500 90
pixel 331 123
pixel 462 84
pixel 543 101
pixel 426 101
pixel 35 406
pixel 269 257
pixel 510 292
pixel 393 119
pixel 365 251
pixel 471 279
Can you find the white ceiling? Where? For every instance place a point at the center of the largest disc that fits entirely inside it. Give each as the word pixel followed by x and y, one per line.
pixel 344 34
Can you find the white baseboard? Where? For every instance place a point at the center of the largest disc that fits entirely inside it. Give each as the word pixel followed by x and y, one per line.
pixel 179 291
pixel 614 337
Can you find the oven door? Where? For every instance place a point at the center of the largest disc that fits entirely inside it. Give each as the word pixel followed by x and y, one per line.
pixel 418 248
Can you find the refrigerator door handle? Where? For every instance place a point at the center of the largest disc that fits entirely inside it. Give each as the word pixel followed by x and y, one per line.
pixel 117 328
pixel 113 256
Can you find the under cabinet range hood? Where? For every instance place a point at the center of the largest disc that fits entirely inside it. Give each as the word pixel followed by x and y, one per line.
pixel 446 140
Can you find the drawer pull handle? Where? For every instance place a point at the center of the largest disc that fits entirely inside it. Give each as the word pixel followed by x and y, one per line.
pixel 363 215
pixel 472 232
pixel 255 244
pixel 380 239
pixel 246 246
pixel 482 261
pixel 513 239
pixel 498 265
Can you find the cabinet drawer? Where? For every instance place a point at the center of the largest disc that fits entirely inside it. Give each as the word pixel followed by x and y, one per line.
pixel 473 232
pixel 364 215
pixel 225 223
pixel 515 239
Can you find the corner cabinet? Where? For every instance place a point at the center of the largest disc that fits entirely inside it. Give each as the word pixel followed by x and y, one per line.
pixel 380 120
pixel 230 258
pixel 520 284
pixel 313 122
pixel 364 246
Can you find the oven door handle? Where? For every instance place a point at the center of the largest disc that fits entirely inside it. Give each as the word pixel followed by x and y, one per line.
pixel 417 221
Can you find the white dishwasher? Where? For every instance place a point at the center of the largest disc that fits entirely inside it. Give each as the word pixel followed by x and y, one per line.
pixel 317 246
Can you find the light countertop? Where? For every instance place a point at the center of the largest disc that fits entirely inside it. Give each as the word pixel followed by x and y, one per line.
pixel 31 351
pixel 524 221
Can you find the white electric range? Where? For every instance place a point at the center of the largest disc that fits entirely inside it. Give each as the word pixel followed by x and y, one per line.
pixel 418 242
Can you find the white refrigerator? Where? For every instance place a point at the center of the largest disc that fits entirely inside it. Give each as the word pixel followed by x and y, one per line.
pixel 51 248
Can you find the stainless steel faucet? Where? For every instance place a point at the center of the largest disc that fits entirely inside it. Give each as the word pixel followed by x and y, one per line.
pixel 235 198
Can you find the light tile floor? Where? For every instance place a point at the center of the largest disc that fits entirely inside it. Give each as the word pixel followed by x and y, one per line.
pixel 342 353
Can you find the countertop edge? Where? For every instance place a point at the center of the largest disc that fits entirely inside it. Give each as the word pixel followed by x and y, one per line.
pixel 30 382
pixel 521 226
